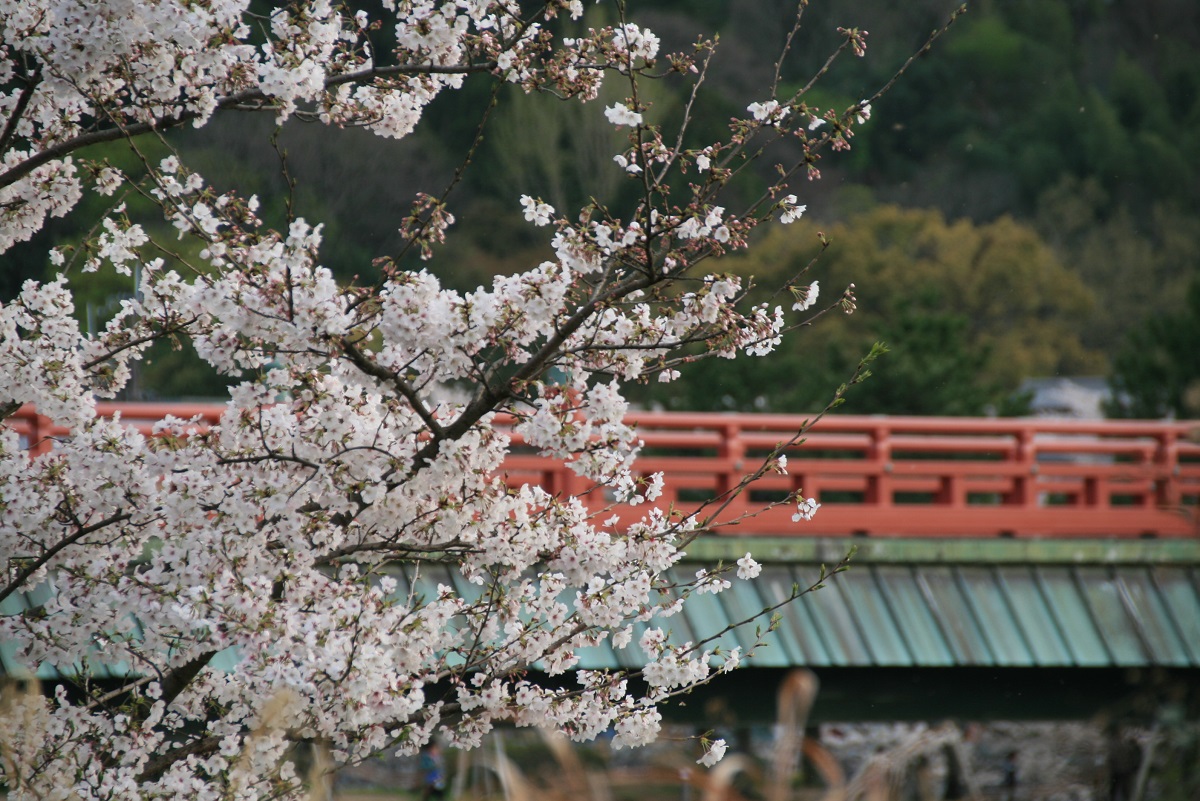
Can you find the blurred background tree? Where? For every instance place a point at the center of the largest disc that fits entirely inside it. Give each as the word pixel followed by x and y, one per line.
pixel 1057 142
pixel 966 310
pixel 1156 373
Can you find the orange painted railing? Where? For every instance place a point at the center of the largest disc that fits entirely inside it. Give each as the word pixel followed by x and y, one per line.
pixel 883 476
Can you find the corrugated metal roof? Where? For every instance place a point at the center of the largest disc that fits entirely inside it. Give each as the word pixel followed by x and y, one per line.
pixel 886 612
pixel 1008 615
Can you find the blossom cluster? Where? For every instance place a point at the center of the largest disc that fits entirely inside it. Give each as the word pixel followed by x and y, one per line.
pixel 257 576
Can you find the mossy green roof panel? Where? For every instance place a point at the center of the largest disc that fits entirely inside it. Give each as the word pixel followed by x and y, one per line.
pixel 922 631
pixel 1150 616
pixel 1178 591
pixel 944 595
pixel 1102 590
pixel 882 628
pixel 797 640
pixel 882 615
pixel 1076 623
pixel 838 627
pixel 1030 609
pixel 741 602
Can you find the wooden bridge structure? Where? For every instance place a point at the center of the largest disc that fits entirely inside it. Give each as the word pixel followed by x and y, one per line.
pixel 1004 567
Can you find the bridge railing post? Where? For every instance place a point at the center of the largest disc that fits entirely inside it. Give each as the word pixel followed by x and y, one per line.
pixel 37 429
pixel 1167 491
pixel 879 459
pixel 1095 493
pixel 1023 494
pixel 732 457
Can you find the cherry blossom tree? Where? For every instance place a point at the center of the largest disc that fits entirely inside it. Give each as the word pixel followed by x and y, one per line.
pixel 342 463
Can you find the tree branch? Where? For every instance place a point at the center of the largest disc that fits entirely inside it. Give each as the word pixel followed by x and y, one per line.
pixel 359 360
pixel 236 101
pixel 155 768
pixel 37 563
pixel 10 129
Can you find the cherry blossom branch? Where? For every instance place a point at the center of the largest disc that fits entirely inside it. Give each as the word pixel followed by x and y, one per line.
pixel 787 45
pixel 157 766
pixel 18 110
pixel 408 552
pixel 491 395
pixel 246 100
pixel 359 360
pixel 135 342
pixel 271 531
pixel 35 563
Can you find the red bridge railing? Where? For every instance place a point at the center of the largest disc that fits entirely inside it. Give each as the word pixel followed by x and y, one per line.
pixel 883 476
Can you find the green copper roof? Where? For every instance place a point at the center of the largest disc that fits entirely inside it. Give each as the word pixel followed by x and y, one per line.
pixel 995 602
pixel 918 603
pixel 939 603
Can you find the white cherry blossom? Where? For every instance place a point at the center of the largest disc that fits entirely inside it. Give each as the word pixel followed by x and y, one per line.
pixel 806 297
pixel 806 509
pixel 790 211
pixel 620 114
pixel 748 568
pixel 713 753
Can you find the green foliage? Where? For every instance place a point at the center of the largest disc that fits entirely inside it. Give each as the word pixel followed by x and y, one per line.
pixel 1157 373
pixel 1140 101
pixel 1047 90
pixel 992 53
pixel 967 312
pixel 171 370
pixel 1136 265
pixel 927 370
